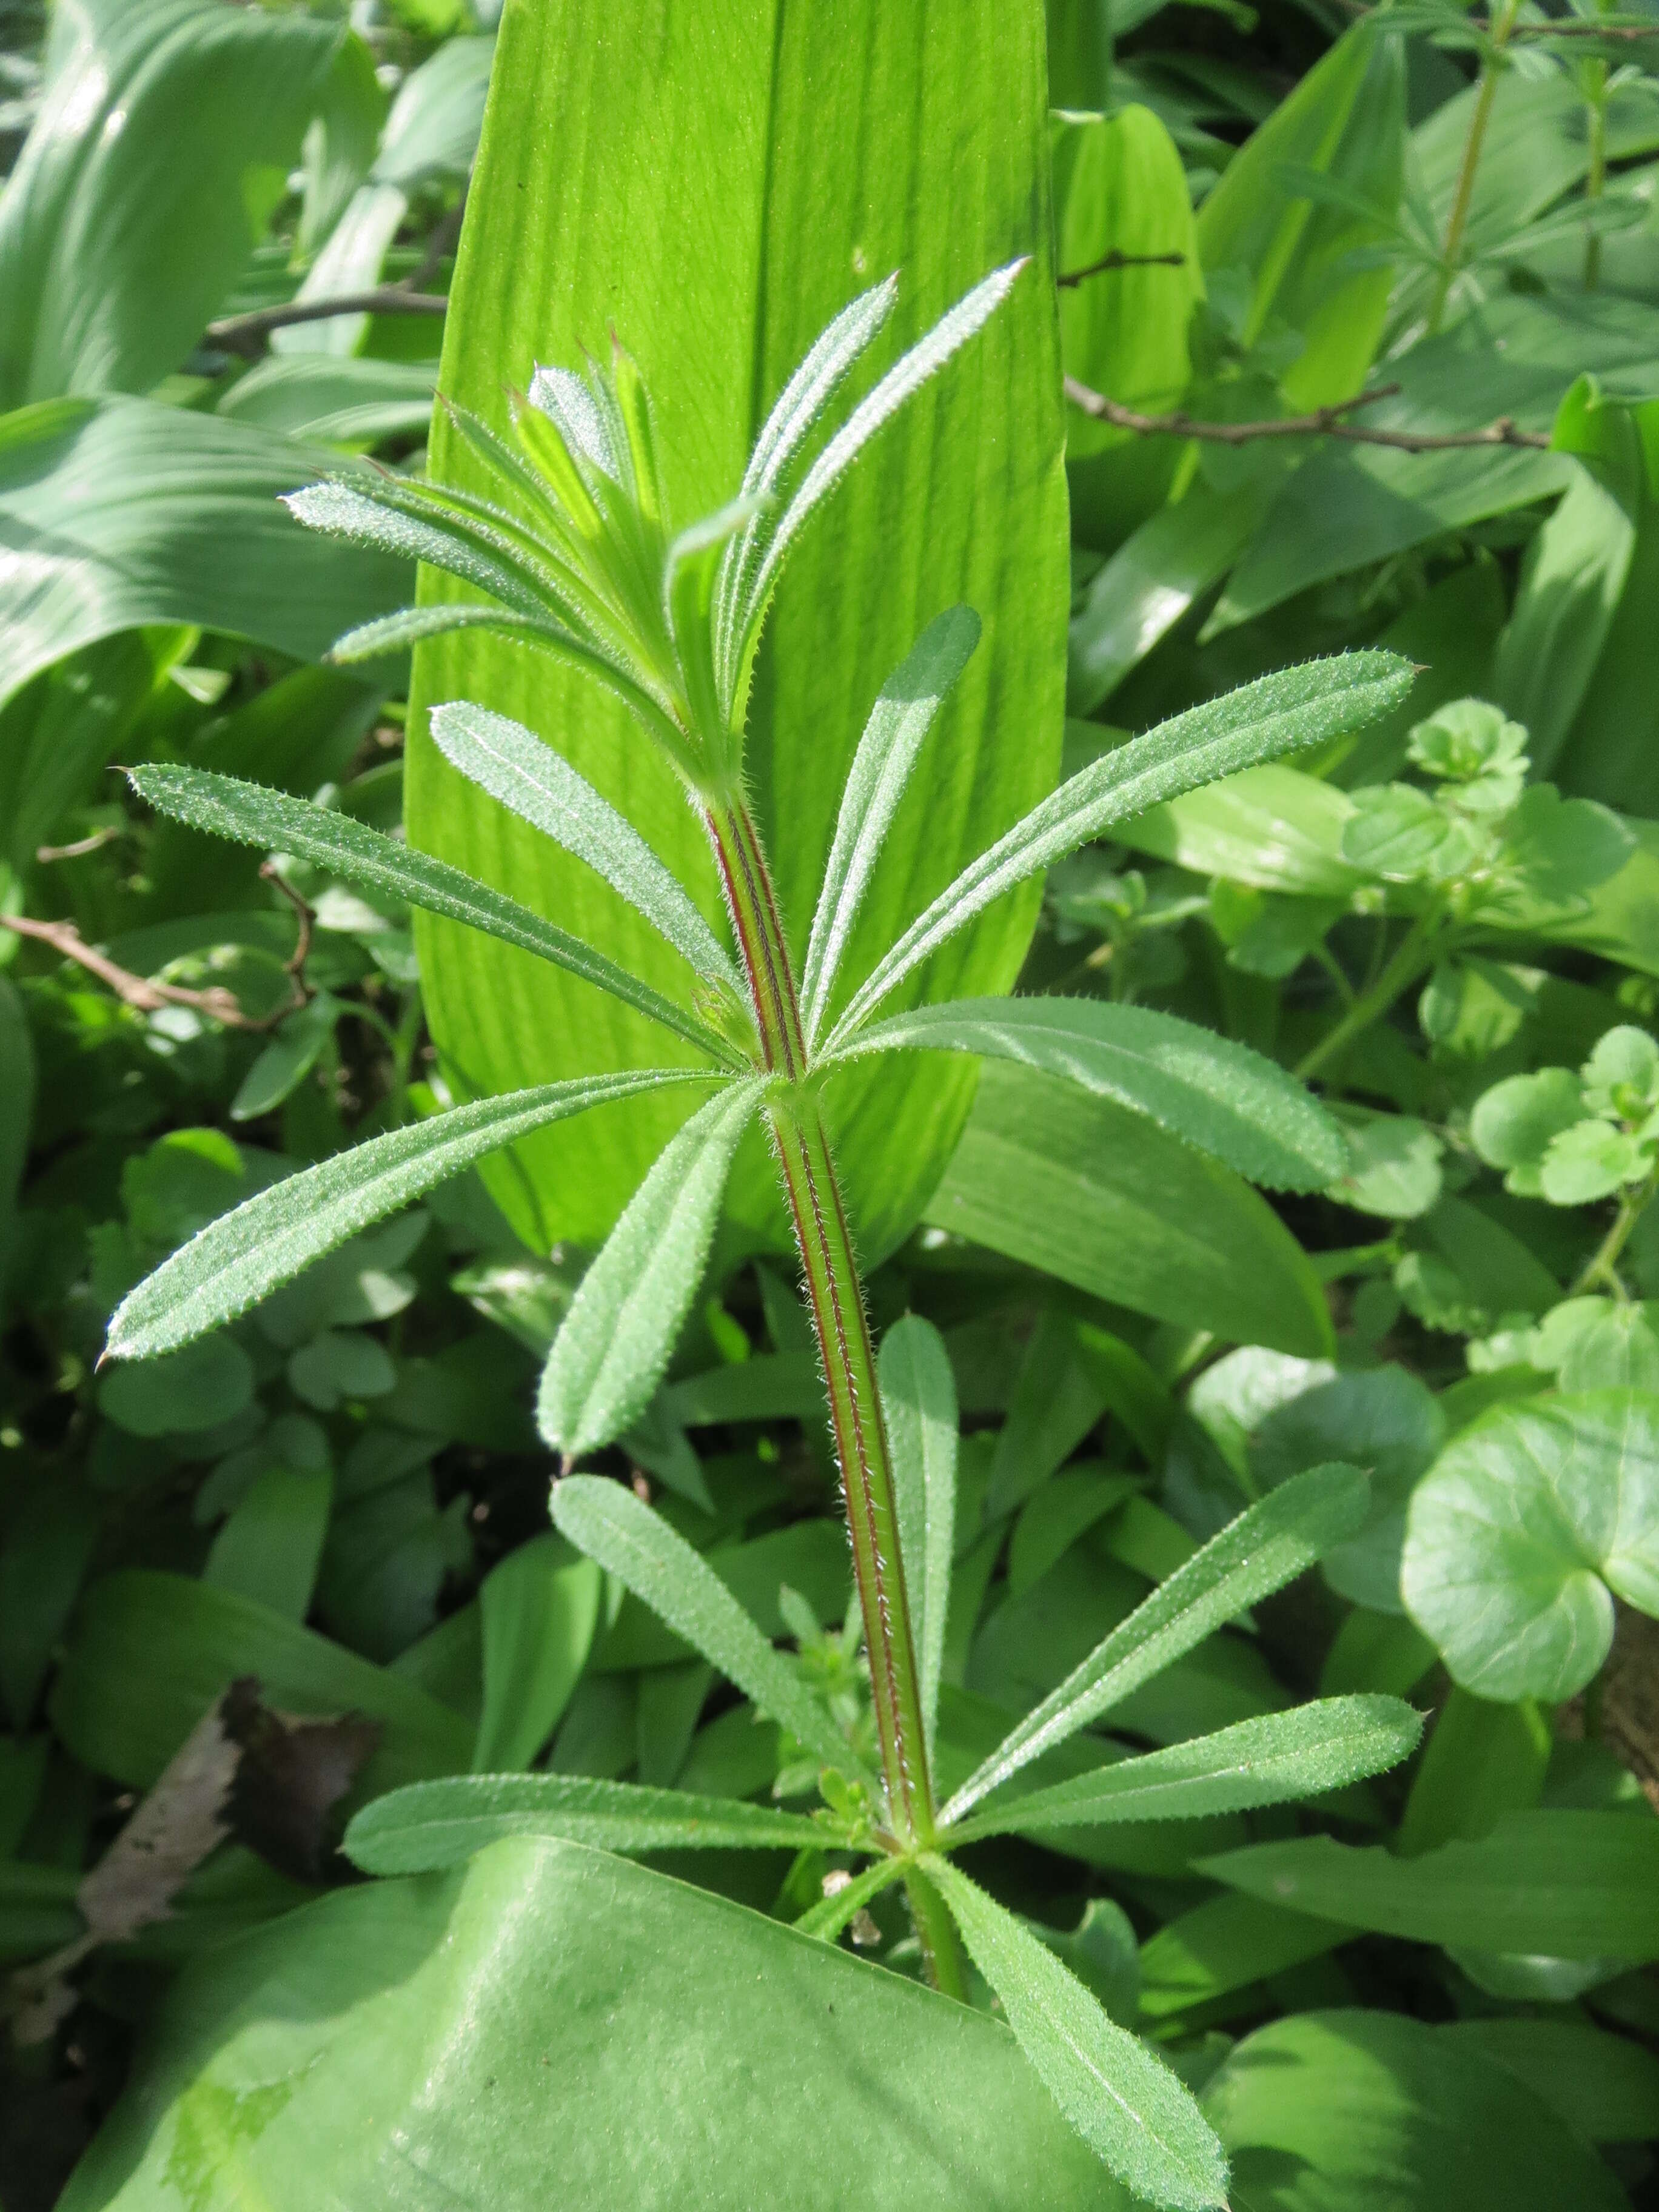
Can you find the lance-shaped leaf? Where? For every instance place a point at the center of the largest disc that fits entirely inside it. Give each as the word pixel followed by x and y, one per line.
pixel 1277 1538
pixel 799 404
pixel 919 1398
pixel 256 815
pixel 901 718
pixel 1228 1101
pixel 826 1919
pixel 1276 715
pixel 1133 2110
pixel 541 787
pixel 433 1825
pixel 907 376
pixel 1316 1746
pixel 614 1347
pixel 242 1257
pixel 646 1557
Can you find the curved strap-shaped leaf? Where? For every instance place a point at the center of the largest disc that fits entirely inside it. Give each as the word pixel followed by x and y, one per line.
pixel 1228 1101
pixel 901 718
pixel 240 1258
pixel 614 1346
pixel 1316 1746
pixel 1276 715
pixel 541 787
pixel 630 1541
pixel 256 815
pixel 432 1824
pixel 1132 2109
pixel 1267 1546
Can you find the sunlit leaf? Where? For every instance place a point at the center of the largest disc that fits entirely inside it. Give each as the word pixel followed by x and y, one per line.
pixel 233 1264
pixel 1217 1095
pixel 1129 2107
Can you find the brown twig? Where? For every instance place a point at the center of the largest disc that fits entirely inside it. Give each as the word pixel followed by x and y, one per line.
pixel 1320 422
pixel 82 846
pixel 148 997
pixel 1116 260
pixel 244 334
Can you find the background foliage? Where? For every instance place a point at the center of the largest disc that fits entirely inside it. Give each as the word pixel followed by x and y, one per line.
pixel 1435 1987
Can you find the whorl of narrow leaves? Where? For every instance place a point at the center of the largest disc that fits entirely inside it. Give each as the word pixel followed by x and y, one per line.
pixel 1275 1540
pixel 253 814
pixel 432 1824
pixel 1277 714
pixel 800 404
pixel 906 377
pixel 244 1255
pixel 1317 1747
pixel 904 712
pixel 1131 2109
pixel 1220 1096
pixel 662 1570
pixel 537 784
pixel 615 1341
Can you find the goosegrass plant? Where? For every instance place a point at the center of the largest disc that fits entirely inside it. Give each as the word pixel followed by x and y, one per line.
pixel 578 558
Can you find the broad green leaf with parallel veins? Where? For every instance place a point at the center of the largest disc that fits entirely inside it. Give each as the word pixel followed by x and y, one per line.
pixel 1264 1548
pixel 231 1265
pixel 1129 2107
pixel 1317 1747
pixel 1566 1884
pixel 1100 1197
pixel 538 1608
pixel 433 1825
pixel 257 816
pixel 615 1341
pixel 1374 2112
pixel 117 512
pixel 1523 1532
pixel 721 263
pixel 638 1548
pixel 158 154
pixel 1218 1096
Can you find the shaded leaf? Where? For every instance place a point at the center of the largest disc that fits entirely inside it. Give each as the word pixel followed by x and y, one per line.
pixel 268 1239
pixel 433 1825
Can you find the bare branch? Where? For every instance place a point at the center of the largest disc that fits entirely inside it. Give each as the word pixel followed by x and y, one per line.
pixel 1116 260
pixel 82 846
pixel 148 997
pixel 1321 422
pixel 245 334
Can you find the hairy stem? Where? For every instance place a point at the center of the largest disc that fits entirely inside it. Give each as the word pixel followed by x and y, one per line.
pixel 1457 220
pixel 835 1298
